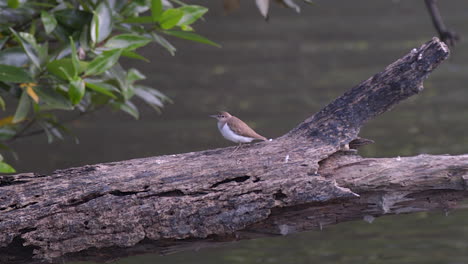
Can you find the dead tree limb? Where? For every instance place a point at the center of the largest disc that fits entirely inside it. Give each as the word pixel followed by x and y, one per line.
pixel 300 181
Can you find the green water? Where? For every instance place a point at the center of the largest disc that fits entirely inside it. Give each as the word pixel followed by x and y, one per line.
pixel 417 238
pixel 274 75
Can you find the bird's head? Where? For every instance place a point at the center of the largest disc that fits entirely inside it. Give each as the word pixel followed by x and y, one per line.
pixel 222 116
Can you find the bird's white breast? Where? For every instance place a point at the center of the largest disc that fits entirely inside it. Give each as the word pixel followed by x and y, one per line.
pixel 230 135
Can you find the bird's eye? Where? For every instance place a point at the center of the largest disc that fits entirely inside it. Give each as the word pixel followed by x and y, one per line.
pixel 222 116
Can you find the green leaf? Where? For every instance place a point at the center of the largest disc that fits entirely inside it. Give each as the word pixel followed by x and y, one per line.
pixel 117 5
pixel 66 73
pixel 156 9
pixel 133 55
pixel 36 53
pixel 186 28
pixel 149 98
pixel 154 92
pixel 76 90
pixel 192 36
pixel 61 68
pixel 163 42
pixel 29 38
pixel 23 108
pixel 52 128
pixel 94 29
pixel 127 41
pixel 263 6
pixel 101 87
pixel 3 40
pixel 73 18
pixel 25 40
pixel 84 38
pixel 103 62
pixel 14 74
pixel 291 4
pixel 52 99
pixel 42 52
pixel 127 107
pixel 191 14
pixel 2 104
pixel 102 24
pixel 46 128
pixel 98 99
pixel 170 18
pixel 62 33
pixel 48 21
pixel 117 76
pixel 13 3
pixel 135 7
pixel 6 168
pixel 64 67
pixel 134 75
pixel 139 20
pixel 74 57
pixel 42 4
pixel 14 56
pixel 6 133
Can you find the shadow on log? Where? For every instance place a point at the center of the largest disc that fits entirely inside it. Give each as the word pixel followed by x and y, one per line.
pixel 303 180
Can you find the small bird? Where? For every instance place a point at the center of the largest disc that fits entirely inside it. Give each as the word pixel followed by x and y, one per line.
pixel 235 130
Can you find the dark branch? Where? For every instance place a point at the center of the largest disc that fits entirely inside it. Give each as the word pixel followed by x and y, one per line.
pixel 448 36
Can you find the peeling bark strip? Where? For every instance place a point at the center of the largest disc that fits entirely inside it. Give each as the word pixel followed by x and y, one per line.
pixel 297 182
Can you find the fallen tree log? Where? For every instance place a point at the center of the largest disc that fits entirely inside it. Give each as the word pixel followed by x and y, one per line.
pixel 303 180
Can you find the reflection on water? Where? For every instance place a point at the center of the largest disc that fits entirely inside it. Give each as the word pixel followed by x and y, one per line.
pixel 416 238
pixel 273 75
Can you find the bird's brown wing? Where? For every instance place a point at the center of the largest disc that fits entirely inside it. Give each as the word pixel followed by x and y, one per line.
pixel 241 128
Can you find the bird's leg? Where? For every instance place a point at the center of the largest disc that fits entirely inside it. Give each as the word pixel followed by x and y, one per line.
pixel 238 147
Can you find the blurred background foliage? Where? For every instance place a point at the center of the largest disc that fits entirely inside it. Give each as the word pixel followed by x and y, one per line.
pixel 64 56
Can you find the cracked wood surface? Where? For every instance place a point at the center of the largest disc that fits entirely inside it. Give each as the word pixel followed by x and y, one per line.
pixel 171 202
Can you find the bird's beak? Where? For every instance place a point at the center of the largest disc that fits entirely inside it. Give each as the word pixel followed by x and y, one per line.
pixel 213 116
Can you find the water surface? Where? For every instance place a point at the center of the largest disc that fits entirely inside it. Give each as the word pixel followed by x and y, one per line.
pixel 274 75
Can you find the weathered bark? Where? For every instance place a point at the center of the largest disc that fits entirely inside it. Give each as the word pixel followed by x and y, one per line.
pixel 300 181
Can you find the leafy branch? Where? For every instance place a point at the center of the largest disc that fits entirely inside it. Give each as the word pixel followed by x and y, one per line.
pixel 64 56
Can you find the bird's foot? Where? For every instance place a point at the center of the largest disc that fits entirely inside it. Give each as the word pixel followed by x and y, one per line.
pixel 238 147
